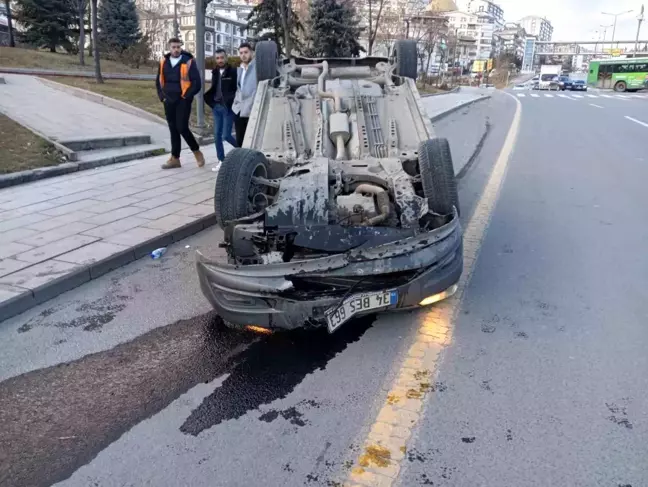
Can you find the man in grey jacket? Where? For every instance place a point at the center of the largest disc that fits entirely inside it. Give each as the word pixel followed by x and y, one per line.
pixel 247 85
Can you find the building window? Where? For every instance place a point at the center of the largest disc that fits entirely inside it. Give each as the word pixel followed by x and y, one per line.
pixel 218 26
pixel 218 39
pixel 227 28
pixel 208 36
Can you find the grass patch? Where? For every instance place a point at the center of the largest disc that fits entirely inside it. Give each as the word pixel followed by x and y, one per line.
pixel 141 94
pixel 14 57
pixel 21 149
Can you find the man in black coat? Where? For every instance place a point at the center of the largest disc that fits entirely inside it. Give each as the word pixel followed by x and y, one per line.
pixel 178 81
pixel 220 98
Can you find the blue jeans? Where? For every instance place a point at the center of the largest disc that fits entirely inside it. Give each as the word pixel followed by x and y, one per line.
pixel 223 121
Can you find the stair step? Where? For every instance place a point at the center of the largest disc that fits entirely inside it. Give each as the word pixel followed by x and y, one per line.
pixel 106 141
pixel 95 158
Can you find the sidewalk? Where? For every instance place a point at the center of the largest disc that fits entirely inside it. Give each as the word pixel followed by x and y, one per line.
pixel 58 233
pixel 59 116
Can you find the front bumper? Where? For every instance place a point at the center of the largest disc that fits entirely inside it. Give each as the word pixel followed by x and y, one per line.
pixel 274 295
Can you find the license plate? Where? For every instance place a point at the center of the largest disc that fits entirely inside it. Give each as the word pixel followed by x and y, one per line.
pixel 336 317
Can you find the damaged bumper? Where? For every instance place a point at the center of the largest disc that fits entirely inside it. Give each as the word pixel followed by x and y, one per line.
pixel 290 295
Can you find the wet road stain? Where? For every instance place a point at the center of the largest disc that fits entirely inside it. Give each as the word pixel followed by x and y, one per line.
pixel 57 419
pixel 269 370
pixel 468 439
pixel 95 314
pixel 619 414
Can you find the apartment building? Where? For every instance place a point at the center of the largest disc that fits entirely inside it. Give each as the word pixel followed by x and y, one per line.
pixel 537 26
pixel 512 39
pixel 476 27
pixel 224 28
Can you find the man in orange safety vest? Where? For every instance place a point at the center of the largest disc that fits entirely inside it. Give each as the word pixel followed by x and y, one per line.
pixel 178 81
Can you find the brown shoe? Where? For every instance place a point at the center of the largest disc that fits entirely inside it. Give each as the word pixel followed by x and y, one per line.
pixel 172 163
pixel 200 158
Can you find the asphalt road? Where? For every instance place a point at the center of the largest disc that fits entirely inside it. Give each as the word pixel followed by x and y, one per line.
pixel 132 380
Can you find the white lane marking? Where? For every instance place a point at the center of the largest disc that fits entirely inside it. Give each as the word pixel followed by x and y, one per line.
pixel 521 95
pixel 597 106
pixel 637 121
pixel 577 96
pixel 591 96
pixel 534 95
pixel 623 96
pixel 563 96
pixel 548 96
pixel 606 96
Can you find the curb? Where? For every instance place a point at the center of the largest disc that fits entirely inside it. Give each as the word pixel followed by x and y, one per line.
pixel 34 297
pixel 456 89
pixel 478 147
pixel 465 104
pixel 31 175
pixel 75 74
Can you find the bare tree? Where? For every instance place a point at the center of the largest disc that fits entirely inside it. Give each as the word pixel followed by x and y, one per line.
pixel 81 7
pixel 95 43
pixel 371 13
pixel 12 42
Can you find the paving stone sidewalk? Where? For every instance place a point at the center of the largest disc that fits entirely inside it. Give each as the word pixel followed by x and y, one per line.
pixel 60 116
pixel 58 233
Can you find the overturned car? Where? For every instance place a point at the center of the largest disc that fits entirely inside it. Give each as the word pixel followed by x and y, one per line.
pixel 340 202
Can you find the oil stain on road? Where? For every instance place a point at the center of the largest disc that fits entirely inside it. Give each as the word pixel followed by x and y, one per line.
pixel 57 419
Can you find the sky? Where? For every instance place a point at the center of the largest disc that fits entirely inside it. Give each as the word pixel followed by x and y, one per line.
pixel 579 19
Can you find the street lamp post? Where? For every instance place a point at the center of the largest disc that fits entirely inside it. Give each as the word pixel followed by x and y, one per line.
pixel 200 64
pixel 615 22
pixel 605 28
pixel 640 19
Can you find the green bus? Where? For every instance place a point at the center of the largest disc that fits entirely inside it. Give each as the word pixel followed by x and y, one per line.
pixel 620 74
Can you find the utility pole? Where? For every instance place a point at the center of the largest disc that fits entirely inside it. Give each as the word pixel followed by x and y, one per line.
pixel 640 19
pixel 176 26
pixel 605 28
pixel 200 63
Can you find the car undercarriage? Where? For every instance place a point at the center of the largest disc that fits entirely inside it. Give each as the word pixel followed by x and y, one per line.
pixel 340 202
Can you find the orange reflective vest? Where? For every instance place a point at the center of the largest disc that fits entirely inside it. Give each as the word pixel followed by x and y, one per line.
pixel 185 81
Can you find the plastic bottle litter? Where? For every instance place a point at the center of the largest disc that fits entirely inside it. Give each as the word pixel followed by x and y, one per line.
pixel 157 253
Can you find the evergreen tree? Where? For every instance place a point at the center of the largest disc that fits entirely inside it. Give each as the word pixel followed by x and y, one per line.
pixel 334 30
pixel 267 21
pixel 47 23
pixel 118 25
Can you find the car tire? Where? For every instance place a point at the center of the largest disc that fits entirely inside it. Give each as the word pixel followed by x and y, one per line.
pixel 233 184
pixel 621 86
pixel 406 59
pixel 266 57
pixel 437 176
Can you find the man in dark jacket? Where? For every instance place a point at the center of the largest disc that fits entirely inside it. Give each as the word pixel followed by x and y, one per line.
pixel 178 81
pixel 220 98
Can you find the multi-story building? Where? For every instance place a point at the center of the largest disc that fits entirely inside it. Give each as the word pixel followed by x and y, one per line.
pixel 512 40
pixel 473 26
pixel 536 26
pixel 485 9
pixel 224 28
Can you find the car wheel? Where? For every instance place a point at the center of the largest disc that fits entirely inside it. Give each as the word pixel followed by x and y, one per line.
pixel 620 86
pixel 437 176
pixel 406 58
pixel 237 195
pixel 266 56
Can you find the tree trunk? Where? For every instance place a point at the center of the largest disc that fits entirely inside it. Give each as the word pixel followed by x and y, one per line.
pixel 82 9
pixel 283 13
pixel 95 44
pixel 12 42
pixel 90 43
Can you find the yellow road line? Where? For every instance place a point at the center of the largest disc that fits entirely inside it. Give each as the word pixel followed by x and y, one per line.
pixel 386 445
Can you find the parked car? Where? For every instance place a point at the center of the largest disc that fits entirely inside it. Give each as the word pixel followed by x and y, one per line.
pixel 578 85
pixel 565 83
